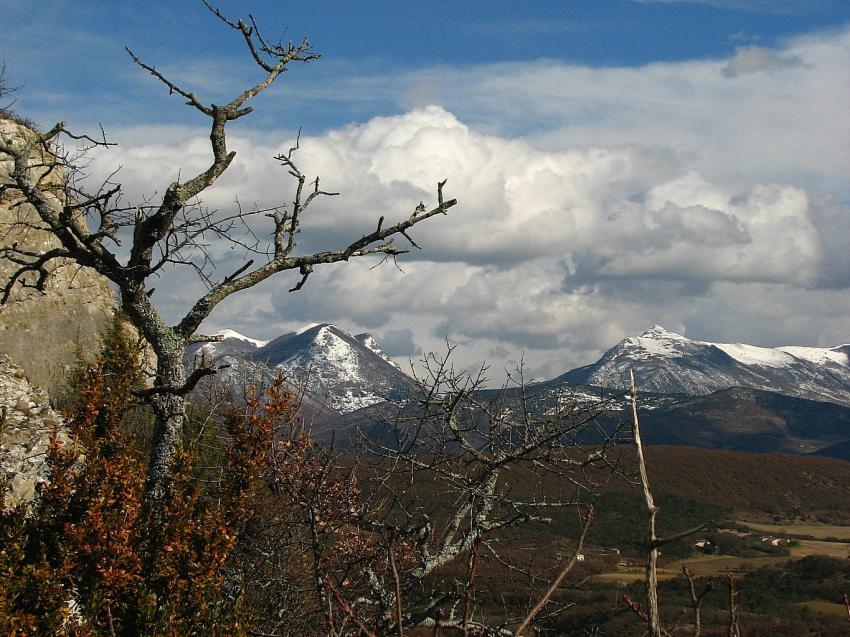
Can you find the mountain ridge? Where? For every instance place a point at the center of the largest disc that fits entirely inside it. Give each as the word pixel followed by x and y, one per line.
pixel 339 373
pixel 711 395
pixel 667 362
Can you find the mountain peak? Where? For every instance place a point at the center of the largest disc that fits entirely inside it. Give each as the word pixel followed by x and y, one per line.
pixel 310 326
pixel 228 333
pixel 658 332
pixel 666 362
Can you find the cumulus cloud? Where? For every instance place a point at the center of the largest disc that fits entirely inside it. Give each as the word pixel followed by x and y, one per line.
pixel 677 199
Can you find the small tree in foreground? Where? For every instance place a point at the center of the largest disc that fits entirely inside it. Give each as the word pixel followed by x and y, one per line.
pixel 90 558
pixel 90 223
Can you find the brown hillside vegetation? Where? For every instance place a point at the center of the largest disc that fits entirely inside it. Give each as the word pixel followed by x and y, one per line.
pixel 750 482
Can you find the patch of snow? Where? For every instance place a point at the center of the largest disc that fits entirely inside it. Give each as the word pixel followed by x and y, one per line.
pixel 658 332
pixel 817 355
pixel 752 355
pixel 226 333
pixel 369 342
pixel 337 352
pixel 652 346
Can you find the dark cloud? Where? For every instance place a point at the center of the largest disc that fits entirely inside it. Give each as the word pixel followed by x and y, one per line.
pixel 399 343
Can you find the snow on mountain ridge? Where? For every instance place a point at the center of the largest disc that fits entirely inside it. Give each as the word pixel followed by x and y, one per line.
pixel 817 354
pixel 666 362
pixel 338 372
pixel 228 333
pixel 658 340
pixel 753 355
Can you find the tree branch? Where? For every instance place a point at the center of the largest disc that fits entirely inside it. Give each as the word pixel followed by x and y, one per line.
pixel 588 518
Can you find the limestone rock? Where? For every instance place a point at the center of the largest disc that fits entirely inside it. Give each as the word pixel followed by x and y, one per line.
pixel 26 425
pixel 43 332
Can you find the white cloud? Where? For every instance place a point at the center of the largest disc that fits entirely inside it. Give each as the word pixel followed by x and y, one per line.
pixel 784 126
pixel 664 194
pixel 755 59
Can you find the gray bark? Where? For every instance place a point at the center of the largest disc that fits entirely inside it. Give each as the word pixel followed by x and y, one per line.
pixel 170 409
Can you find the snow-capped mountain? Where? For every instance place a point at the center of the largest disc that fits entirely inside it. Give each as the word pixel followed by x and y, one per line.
pixel 691 391
pixel 336 370
pixel 352 372
pixel 667 362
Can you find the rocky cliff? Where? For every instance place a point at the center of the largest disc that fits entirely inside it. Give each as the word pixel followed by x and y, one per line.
pixel 42 332
pixel 26 425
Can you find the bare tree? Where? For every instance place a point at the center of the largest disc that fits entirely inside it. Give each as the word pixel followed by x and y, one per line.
pixel 445 479
pixel 696 599
pixel 652 615
pixel 5 89
pixel 91 224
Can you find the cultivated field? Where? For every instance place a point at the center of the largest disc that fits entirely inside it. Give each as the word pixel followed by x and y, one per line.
pixel 801 529
pixel 715 565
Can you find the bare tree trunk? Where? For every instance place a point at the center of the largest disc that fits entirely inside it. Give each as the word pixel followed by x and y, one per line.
pixel 653 618
pixel 170 410
pixel 733 631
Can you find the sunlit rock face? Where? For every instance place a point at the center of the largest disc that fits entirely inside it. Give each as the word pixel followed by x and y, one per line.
pixel 28 422
pixel 43 331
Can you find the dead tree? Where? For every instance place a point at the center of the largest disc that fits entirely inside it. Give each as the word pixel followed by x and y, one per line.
pixel 696 599
pixel 5 88
pixel 651 615
pixel 446 477
pixel 91 224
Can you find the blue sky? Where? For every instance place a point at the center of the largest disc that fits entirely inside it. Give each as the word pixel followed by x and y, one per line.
pixel 618 163
pixel 91 71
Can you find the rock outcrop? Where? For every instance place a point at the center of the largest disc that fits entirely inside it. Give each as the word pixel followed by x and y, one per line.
pixel 26 425
pixel 43 332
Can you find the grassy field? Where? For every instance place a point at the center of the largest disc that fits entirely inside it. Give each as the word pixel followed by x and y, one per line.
pixel 790 529
pixel 827 608
pixel 714 565
pixel 819 547
pixel 700 565
pixel 634 574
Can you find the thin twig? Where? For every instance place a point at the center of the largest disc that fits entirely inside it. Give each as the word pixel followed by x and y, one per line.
pixel 346 608
pixel 588 518
pixel 474 556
